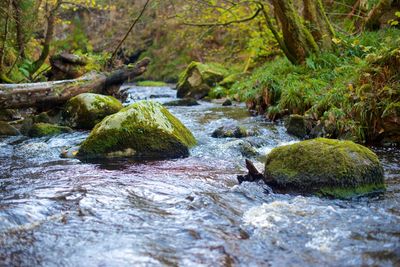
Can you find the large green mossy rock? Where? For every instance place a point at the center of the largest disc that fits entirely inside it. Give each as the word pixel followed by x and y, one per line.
pixel 143 130
pixel 47 129
pixel 198 79
pixel 325 167
pixel 86 110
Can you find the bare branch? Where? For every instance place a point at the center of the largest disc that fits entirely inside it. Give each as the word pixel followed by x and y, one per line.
pixel 111 61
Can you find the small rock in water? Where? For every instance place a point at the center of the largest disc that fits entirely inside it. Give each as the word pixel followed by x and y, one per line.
pixel 183 102
pixel 227 102
pixel 247 150
pixel 47 129
pixel 70 153
pixel 232 131
pixel 159 96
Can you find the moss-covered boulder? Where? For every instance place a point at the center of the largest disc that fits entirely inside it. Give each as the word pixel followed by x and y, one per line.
pixel 47 129
pixel 7 129
pixel 324 167
pixel 143 130
pixel 198 79
pixel 86 110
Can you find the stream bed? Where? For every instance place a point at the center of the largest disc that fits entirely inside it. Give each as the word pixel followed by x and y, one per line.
pixel 183 212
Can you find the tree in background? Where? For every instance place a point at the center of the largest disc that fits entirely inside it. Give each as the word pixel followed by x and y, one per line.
pixel 297 35
pixel 27 25
pixel 253 31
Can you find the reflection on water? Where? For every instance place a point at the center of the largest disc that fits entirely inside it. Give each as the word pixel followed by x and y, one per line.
pixel 183 212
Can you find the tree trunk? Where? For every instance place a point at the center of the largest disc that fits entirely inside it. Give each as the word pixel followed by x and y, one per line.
pixel 318 23
pixel 278 38
pixel 47 41
pixel 4 38
pixel 297 38
pixel 372 20
pixel 48 94
pixel 18 17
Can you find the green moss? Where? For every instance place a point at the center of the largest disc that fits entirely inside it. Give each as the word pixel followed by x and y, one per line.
pixel 86 110
pixel 142 130
pixel 348 89
pixel 324 165
pixel 46 129
pixel 218 92
pixel 230 80
pixel 151 84
pixel 345 193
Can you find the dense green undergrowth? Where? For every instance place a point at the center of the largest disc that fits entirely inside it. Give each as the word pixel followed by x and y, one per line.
pixel 354 91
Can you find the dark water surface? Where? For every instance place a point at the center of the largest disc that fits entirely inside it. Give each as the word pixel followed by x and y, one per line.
pixel 185 212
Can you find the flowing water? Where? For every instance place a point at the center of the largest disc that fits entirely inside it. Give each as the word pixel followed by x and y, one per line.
pixel 183 212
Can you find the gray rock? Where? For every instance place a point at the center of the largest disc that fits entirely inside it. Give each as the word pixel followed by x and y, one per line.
pixel 7 129
pixel 185 102
pixel 296 125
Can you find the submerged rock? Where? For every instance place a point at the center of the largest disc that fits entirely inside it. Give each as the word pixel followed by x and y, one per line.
pixel 325 167
pixel 7 129
pixel 198 79
pixel 69 152
pixel 86 110
pixel 47 129
pixel 186 102
pixel 143 130
pixel 232 131
pixel 247 150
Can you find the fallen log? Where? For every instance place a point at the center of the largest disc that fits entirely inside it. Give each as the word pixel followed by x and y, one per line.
pixel 48 94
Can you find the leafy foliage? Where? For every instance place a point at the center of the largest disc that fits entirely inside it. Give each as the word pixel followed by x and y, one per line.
pixel 352 90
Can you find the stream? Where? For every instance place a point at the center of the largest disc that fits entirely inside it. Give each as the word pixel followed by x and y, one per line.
pixel 183 212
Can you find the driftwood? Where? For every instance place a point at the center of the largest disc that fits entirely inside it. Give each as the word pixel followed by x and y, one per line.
pixel 47 94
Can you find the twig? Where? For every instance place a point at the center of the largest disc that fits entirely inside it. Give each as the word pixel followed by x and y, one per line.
pixel 111 61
